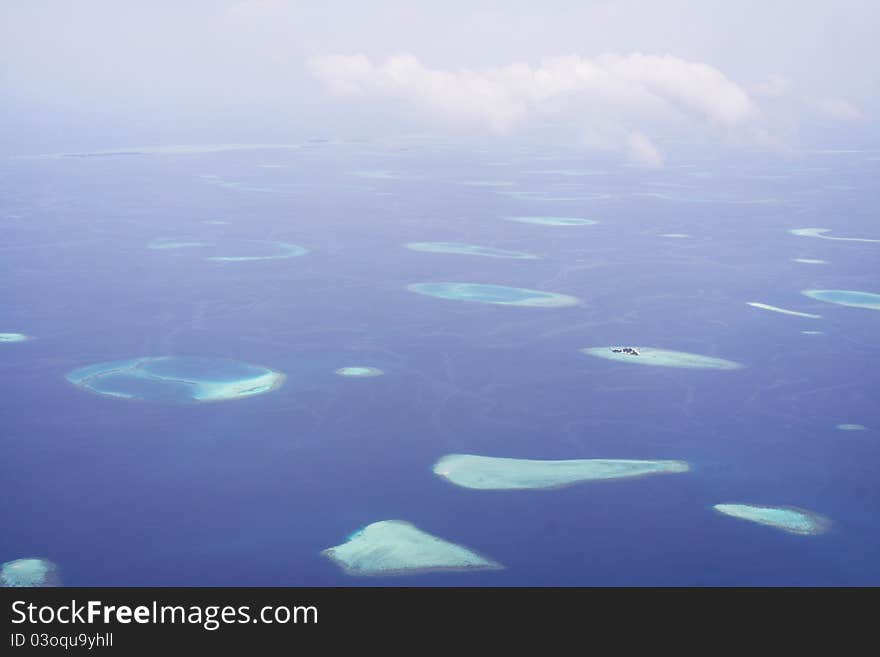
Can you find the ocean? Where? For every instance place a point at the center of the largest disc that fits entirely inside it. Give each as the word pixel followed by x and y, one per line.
pixel 248 492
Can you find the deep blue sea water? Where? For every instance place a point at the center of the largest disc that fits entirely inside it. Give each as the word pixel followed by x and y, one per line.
pixel 248 492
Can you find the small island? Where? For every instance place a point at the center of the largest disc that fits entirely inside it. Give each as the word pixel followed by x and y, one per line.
pixel 661 358
pixel 496 473
pixel 396 547
pixel 14 337
pixel 783 311
pixel 29 573
pixel 787 518
pixel 359 371
pixel 820 233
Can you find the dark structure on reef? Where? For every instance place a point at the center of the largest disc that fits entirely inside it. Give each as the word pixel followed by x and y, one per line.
pixel 632 351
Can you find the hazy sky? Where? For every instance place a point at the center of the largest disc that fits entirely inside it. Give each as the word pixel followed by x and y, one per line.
pixel 616 75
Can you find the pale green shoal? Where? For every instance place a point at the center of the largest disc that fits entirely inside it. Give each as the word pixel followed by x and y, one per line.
pixel 663 358
pixel 211 391
pixel 494 294
pixel 776 309
pixel 31 572
pixel 496 473
pixel 789 519
pixel 852 427
pixel 468 249
pixel 395 547
pixel 852 298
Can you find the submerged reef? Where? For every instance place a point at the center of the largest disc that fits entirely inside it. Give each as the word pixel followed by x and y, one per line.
pixel 395 547
pixel 14 337
pixel 280 250
pixel 852 427
pixel 851 298
pixel 231 250
pixel 495 473
pixel 786 518
pixel 378 174
pixel 359 371
pixel 571 172
pixel 468 249
pixel 554 221
pixel 488 183
pixel 819 232
pixel 776 309
pixel 30 572
pixel 545 197
pixel 496 294
pixel 176 379
pixel 161 243
pixel 179 149
pixel 663 358
pixel 810 261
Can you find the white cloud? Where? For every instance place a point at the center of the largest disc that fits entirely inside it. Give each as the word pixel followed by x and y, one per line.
pixel 613 97
pixel 779 87
pixel 252 8
pixel 642 151
pixel 837 108
pixel 776 86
